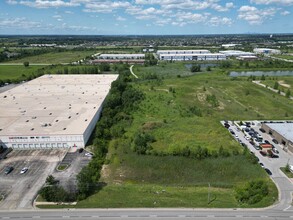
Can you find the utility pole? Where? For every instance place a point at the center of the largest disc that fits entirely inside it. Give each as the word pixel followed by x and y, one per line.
pixel 209 193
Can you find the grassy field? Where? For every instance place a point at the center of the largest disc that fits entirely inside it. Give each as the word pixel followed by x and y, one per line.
pixel 287 57
pixel 16 71
pixel 165 113
pixel 56 57
pixel 285 82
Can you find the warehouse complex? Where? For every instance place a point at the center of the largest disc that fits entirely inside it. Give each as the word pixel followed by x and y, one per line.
pixel 266 51
pixel 282 132
pixel 236 53
pixel 189 55
pixel 121 56
pixel 52 111
pixel 118 58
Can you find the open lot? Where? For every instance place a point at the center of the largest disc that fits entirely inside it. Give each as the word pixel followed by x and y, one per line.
pixel 56 57
pixel 186 111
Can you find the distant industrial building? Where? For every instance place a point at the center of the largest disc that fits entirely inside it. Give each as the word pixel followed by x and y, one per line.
pixel 148 50
pixel 236 53
pixel 183 52
pixel 192 57
pixel 282 132
pixel 247 58
pixel 52 111
pixel 229 45
pixel 121 56
pixel 266 51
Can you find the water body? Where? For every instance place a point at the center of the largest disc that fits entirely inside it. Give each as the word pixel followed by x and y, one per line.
pixel 202 65
pixel 260 73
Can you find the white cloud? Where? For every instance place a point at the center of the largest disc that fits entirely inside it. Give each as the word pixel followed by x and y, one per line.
pixel 267 2
pixel 22 23
pixel 68 12
pixel 285 13
pixel 119 18
pixel 255 16
pixel 11 2
pixel 105 6
pixel 187 4
pixel 217 21
pixel 48 3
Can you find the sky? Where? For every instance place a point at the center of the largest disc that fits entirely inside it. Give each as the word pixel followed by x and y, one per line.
pixel 145 17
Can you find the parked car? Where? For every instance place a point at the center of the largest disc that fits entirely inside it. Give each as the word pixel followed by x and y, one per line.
pixel 263 153
pixel 8 170
pixel 80 150
pixel 268 171
pixel 232 132
pixel 262 165
pixel 275 141
pixel 23 170
pixel 275 150
pixel 267 142
pixel 88 154
pixel 262 130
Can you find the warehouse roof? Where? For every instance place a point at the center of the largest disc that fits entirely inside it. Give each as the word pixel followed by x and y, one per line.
pixel 284 129
pixel 53 104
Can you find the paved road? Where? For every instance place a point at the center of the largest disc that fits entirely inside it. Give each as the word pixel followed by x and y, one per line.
pixel 31 64
pixel 131 71
pixel 150 214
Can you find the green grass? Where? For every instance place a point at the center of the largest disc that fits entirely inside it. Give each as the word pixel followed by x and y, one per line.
pixel 16 71
pixel 155 196
pixel 288 174
pixel 165 115
pixel 270 81
pixel 287 57
pixel 62 167
pixel 56 57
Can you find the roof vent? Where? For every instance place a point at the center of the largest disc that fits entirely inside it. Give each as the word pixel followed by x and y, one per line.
pixel 34 117
pixel 69 117
pixel 64 128
pixel 77 113
pixel 85 120
pixel 27 120
pixel 32 129
pixel 50 113
pixel 56 120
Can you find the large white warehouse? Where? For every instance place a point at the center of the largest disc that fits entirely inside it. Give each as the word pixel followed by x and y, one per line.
pixel 236 53
pixel 121 56
pixel 52 111
pixel 193 57
pixel 182 52
pixel 266 51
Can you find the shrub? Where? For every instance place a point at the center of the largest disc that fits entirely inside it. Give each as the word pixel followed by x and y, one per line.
pixel 253 192
pixel 142 143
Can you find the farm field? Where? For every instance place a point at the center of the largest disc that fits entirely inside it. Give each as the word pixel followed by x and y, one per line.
pixel 180 114
pixel 56 57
